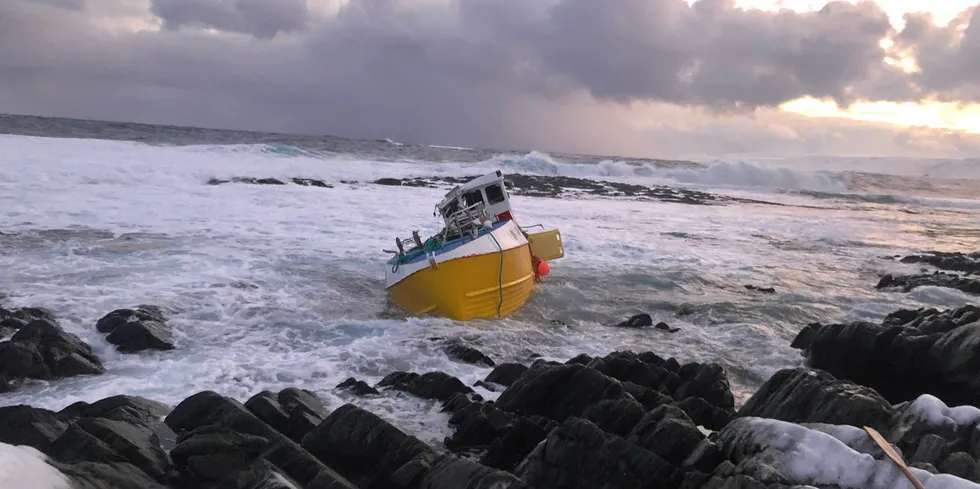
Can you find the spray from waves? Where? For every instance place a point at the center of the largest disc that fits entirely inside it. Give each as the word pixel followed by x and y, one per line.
pixel 746 175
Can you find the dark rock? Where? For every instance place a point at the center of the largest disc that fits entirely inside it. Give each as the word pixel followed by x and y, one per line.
pixel 939 279
pixel 666 327
pixel 133 330
pixel 638 321
pixel 705 414
pixel 958 262
pixel 765 290
pixel 962 465
pixel 208 412
pixel 579 455
pixel 34 427
pixel 467 354
pixel 506 374
pixel 814 396
pixel 931 450
pixel 358 387
pixel 580 359
pixel 912 352
pixel 292 412
pixel 42 350
pixel 709 383
pixel 517 442
pixel 311 182
pixel 131 409
pixel 617 417
pixel 103 440
pixel 667 432
pixel 559 391
pixel 430 385
pixel 210 456
pixel 96 475
pixel 805 337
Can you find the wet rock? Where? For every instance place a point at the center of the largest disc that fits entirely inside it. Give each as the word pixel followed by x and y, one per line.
pixel 703 413
pixel 467 354
pixel 957 262
pixel 430 385
pixel 638 321
pixel 97 475
pixel 667 432
pixel 666 327
pixel 579 455
pixel 910 353
pixel 708 382
pixel 764 290
pixel 42 350
pixel 292 412
pixel 907 283
pixel 208 412
pixel 14 319
pixel 505 374
pixel 133 330
pixel 103 440
pixel 559 391
pixel 357 387
pixel 26 425
pixel 210 456
pixel 813 396
pixel 617 417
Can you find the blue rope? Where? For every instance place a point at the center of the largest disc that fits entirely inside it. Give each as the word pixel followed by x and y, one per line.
pixel 500 276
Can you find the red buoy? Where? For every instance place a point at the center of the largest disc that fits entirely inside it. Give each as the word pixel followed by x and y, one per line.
pixel 544 268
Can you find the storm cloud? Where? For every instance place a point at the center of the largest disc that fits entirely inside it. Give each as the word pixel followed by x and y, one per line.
pixel 550 74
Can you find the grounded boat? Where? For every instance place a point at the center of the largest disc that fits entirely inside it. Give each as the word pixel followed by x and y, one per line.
pixel 482 264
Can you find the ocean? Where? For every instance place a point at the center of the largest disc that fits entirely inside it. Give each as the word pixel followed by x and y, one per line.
pixel 271 286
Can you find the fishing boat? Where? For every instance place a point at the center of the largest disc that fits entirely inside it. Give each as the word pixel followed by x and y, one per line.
pixel 482 264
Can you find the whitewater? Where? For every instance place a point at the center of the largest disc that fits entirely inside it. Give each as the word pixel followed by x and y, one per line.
pixel 271 286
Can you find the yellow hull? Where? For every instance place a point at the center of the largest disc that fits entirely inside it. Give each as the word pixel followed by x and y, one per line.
pixel 469 287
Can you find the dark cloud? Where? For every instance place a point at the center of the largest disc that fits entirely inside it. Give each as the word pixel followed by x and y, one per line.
pixel 550 74
pixel 261 18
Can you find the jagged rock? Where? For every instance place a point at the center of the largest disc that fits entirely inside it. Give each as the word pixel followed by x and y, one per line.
pixel 667 432
pixel 938 279
pixel 617 417
pixel 506 374
pixel 357 387
pixel 638 321
pixel 292 412
pixel 34 427
pixel 97 475
pixel 559 391
pixel 705 414
pixel 103 440
pixel 42 350
pixel 467 354
pixel 813 396
pixel 707 382
pixel 962 465
pixel 430 385
pixel 912 352
pixel 133 330
pixel 210 456
pixel 959 262
pixel 209 412
pixel 579 455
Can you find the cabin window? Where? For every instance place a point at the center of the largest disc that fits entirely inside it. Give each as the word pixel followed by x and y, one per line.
pixel 495 194
pixel 473 197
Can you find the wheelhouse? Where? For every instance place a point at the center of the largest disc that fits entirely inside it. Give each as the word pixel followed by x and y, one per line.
pixel 489 190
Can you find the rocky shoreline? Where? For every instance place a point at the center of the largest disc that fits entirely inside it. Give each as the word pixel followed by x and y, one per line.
pixel 623 420
pixel 532 186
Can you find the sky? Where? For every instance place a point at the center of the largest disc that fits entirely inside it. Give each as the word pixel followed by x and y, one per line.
pixel 660 78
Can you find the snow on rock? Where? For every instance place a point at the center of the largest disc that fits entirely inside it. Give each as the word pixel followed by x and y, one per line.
pixel 773 451
pixel 24 466
pixel 935 412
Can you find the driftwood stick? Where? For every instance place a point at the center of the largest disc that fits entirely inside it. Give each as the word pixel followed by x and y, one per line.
pixel 894 456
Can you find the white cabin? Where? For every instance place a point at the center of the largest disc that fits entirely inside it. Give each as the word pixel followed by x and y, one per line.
pixel 488 189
